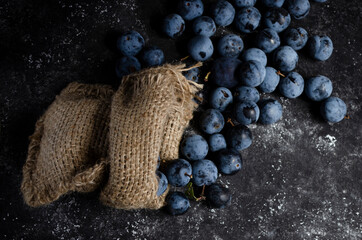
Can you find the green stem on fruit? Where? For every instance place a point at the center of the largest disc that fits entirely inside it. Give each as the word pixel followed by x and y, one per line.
pixel 183 59
pixel 231 122
pixel 191 194
pixel 280 74
pixel 202 197
pixel 189 175
pixel 207 77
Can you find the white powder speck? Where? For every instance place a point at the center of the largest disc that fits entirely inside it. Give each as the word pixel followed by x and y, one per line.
pixel 326 144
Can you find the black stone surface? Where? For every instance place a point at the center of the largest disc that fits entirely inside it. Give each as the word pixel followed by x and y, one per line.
pixel 301 177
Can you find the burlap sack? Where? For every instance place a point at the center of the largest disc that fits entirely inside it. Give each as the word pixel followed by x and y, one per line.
pixel 150 111
pixel 68 148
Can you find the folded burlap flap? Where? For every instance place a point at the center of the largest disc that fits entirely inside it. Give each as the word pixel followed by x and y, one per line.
pixel 68 148
pixel 149 113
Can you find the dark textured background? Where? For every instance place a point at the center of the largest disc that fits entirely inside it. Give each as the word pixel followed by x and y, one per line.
pixel 301 177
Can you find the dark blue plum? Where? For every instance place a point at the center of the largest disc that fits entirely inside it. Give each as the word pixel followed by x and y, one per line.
pixel 255 54
pixel 190 9
pixel 223 72
pixel 333 109
pixel 223 13
pixel 152 56
pixel 194 147
pixel 271 80
pixel 239 137
pixel 127 65
pixel 217 142
pixel 200 48
pixel 277 19
pixel 247 19
pixel 296 38
pixel 217 196
pixel 271 111
pixel 292 85
pixel 179 173
pixel 212 121
pixel 204 172
pixel 246 112
pixel 162 183
pixel 177 203
pixel 245 93
pixel 273 3
pixel 130 43
pixel 298 8
pixel 220 98
pixel 320 47
pixel 319 1
pixel 192 74
pixel 251 73
pixel 267 40
pixel 204 26
pixel 173 25
pixel 244 3
pixel 230 45
pixel 229 161
pixel 285 58
pixel 318 88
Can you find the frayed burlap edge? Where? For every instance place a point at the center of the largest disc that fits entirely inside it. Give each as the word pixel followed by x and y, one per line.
pixel 177 123
pixel 185 91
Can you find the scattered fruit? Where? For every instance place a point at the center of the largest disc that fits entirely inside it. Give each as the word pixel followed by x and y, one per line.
pixel 318 88
pixel 255 54
pixel 230 45
pixel 229 161
pixel 285 59
pixel 217 142
pixel 212 121
pixel 152 56
pixel 231 91
pixel 247 19
pixel 271 111
pixel 298 8
pixel 130 43
pixel 296 38
pixel 173 25
pixel 333 109
pixel 200 48
pixel 223 13
pixel 218 196
pixel 177 203
pixel 239 137
pixel 194 147
pixel 277 19
pixel 162 183
pixel 204 172
pixel 190 9
pixel 320 48
pixel 267 40
pixel 204 26
pixel 179 173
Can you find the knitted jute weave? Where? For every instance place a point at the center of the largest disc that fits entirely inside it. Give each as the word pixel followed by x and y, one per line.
pixel 68 148
pixel 149 113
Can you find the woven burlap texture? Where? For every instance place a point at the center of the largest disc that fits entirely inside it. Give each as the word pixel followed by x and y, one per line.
pixel 68 148
pixel 149 113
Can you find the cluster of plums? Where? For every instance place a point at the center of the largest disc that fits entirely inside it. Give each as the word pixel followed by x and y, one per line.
pixel 132 45
pixel 237 76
